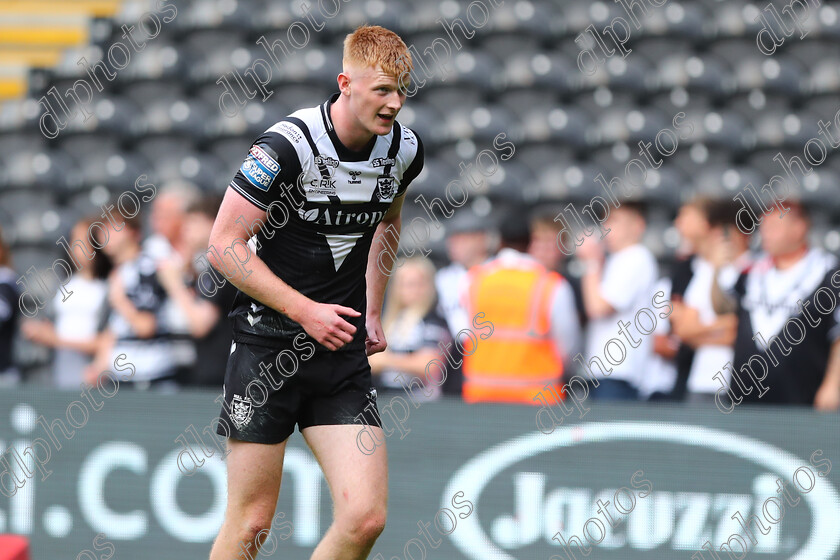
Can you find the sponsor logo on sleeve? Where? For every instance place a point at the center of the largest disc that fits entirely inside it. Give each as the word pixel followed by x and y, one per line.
pixel 259 168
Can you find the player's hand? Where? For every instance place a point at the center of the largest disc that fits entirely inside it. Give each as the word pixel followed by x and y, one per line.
pixel 323 322
pixel 375 339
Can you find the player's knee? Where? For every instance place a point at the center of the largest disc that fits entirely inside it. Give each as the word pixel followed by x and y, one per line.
pixel 364 527
pixel 252 523
pixel 371 527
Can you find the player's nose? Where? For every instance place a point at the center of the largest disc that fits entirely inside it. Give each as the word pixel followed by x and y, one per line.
pixel 395 101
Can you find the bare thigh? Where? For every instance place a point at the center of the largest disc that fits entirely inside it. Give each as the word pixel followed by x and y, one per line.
pixel 358 482
pixel 254 472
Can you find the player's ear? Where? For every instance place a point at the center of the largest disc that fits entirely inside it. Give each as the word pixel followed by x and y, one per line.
pixel 344 83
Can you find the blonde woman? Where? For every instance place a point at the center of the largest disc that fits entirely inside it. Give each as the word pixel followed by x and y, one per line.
pixel 416 334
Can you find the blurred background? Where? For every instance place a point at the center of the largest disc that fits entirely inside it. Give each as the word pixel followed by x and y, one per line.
pixel 158 121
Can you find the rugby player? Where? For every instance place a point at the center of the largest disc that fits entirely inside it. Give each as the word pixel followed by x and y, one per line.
pixel 330 180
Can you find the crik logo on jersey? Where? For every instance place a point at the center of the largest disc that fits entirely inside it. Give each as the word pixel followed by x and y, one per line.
pixel 259 168
pixel 693 480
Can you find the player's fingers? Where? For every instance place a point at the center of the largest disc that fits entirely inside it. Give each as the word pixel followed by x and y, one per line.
pixel 338 342
pixel 342 335
pixel 341 310
pixel 344 326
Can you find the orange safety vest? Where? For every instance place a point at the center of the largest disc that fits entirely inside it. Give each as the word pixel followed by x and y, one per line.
pixel 519 359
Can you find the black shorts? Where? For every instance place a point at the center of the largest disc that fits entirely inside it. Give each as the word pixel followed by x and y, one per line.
pixel 263 405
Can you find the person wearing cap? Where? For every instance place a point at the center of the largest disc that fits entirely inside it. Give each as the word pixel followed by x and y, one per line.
pixel 535 326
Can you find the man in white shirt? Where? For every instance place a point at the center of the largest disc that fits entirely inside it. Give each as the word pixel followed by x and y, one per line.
pixel 694 319
pixel 615 288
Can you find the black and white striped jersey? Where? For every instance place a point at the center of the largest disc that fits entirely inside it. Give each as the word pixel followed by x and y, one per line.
pixel 323 204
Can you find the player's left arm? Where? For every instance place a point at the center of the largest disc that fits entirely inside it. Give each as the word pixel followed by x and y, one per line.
pixel 379 268
pixel 383 253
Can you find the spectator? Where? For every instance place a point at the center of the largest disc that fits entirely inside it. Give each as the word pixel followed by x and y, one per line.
pixel 658 383
pixel 169 211
pixel 79 318
pixel 9 315
pixel 692 223
pixel 136 299
pixel 695 322
pixel 801 364
pixel 542 246
pixel 197 298
pixel 535 327
pixel 166 244
pixel 614 289
pixel 416 334
pixel 468 243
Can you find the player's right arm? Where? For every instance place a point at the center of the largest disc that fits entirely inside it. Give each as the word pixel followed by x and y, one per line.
pixel 246 202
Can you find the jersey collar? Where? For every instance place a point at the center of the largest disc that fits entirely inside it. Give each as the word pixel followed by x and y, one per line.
pixel 343 152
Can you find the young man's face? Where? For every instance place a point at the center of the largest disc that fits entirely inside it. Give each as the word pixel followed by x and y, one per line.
pixel 467 248
pixel 543 245
pixel 785 235
pixel 627 228
pixel 692 224
pixel 375 98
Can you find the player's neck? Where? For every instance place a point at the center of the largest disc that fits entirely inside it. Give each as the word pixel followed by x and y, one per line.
pixel 788 260
pixel 352 134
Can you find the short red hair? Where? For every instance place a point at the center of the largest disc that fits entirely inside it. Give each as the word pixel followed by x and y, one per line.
pixel 372 46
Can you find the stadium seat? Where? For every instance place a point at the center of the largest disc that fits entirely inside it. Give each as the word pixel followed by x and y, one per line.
pixel 734 18
pixel 532 19
pixel 210 54
pixel 426 121
pixel 550 71
pixel 705 72
pixel 685 20
pixel 432 181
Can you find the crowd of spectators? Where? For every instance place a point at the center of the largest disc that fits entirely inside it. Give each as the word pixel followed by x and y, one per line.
pixel 727 298
pixel 134 295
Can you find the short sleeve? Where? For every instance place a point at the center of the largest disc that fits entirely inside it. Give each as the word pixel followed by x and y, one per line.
pixel 565 327
pixel 416 166
pixel 627 274
pixel 271 167
pixel 434 331
pixel 727 278
pixel 142 287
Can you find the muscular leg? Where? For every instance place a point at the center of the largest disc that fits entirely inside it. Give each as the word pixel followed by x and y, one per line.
pixel 254 473
pixel 359 487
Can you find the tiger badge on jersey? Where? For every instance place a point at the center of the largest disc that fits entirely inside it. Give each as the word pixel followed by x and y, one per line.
pixel 386 187
pixel 259 168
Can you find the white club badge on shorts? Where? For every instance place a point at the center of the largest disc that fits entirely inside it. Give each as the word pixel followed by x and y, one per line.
pixel 241 411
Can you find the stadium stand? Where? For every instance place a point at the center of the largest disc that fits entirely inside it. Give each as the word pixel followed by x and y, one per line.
pixel 519 74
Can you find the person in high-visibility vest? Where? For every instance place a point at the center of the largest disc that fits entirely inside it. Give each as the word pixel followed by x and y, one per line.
pixel 535 326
